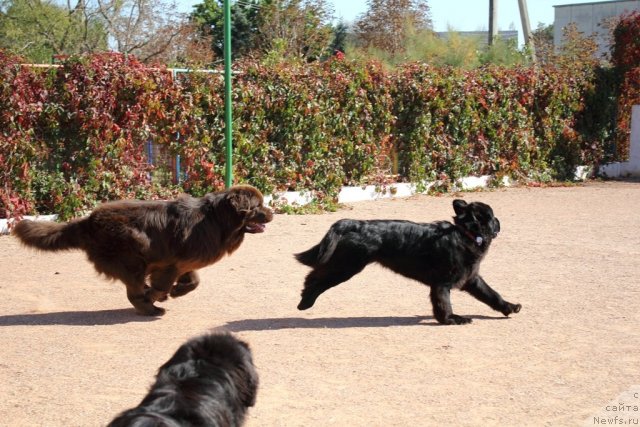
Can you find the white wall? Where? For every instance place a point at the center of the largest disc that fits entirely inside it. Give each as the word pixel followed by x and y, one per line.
pixel 588 18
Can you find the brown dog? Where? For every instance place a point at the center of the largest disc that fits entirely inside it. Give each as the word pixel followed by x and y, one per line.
pixel 166 241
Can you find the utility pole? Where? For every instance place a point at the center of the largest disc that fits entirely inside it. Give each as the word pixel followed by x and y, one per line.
pixel 493 21
pixel 526 27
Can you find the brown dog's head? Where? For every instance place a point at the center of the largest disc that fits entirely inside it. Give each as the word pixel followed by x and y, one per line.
pixel 248 204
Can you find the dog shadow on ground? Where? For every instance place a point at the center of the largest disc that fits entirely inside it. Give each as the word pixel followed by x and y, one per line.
pixel 271 324
pixel 76 318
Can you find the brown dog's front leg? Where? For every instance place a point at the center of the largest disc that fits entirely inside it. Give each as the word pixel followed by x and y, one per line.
pixel 442 307
pixel 185 284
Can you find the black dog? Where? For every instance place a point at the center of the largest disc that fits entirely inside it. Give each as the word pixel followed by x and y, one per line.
pixel 210 381
pixel 441 255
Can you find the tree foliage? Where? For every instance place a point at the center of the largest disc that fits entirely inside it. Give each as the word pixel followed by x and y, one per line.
pixel 150 29
pixel 39 30
pixel 387 23
pixel 209 16
pixel 340 37
pixel 145 28
pixel 542 38
pixel 299 29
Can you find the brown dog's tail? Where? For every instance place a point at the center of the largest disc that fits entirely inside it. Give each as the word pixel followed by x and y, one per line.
pixel 50 236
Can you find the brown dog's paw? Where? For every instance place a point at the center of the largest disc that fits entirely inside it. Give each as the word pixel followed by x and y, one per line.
pixel 180 289
pixel 151 295
pixel 150 310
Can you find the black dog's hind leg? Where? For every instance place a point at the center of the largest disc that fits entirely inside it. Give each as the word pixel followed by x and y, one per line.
pixel 326 276
pixel 483 292
pixel 442 307
pixel 185 284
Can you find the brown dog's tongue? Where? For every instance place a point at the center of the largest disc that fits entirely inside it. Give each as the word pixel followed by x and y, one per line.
pixel 255 228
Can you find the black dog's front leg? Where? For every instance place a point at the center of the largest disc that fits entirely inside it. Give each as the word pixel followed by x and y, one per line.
pixel 442 307
pixel 483 292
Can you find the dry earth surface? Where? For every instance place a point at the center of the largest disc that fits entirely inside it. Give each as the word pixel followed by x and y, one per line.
pixel 73 353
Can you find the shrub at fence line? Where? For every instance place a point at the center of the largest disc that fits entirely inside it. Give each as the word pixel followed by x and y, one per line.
pixel 75 135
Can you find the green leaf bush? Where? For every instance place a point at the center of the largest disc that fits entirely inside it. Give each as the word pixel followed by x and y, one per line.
pixel 76 135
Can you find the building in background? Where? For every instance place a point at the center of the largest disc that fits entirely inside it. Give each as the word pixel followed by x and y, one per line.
pixel 591 18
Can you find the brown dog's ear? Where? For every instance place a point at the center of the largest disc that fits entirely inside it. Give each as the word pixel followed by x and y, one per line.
pixel 240 201
pixel 459 206
pixel 244 198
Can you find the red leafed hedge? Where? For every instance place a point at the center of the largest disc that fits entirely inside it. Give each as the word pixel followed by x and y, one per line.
pixel 625 56
pixel 78 134
pixel 625 51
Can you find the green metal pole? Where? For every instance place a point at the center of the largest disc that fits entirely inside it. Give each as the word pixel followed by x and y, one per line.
pixel 227 95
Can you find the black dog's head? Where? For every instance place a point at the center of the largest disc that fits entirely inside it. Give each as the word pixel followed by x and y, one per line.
pixel 248 204
pixel 476 219
pixel 210 358
pixel 209 381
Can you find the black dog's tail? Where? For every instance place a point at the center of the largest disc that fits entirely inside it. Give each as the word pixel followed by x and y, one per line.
pixel 50 236
pixel 309 257
pixel 320 253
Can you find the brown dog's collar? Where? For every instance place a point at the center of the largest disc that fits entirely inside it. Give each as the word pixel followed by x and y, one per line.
pixel 478 240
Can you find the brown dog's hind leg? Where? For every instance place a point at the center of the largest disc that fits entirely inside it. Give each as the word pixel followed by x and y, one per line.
pixel 162 281
pixel 133 276
pixel 186 283
pixel 137 295
pixel 143 305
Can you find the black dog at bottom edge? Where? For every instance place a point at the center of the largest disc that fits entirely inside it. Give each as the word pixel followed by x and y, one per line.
pixel 209 381
pixel 440 254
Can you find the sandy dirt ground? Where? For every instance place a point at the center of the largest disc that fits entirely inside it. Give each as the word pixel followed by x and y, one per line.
pixel 73 353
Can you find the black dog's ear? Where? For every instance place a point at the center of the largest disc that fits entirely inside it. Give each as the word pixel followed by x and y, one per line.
pixel 459 206
pixel 249 390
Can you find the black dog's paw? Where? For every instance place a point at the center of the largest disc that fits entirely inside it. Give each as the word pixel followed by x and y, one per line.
pixel 511 308
pixel 305 304
pixel 454 319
